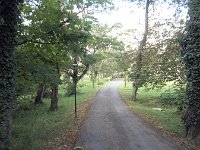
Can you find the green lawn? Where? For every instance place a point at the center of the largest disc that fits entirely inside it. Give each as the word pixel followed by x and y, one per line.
pixel 147 100
pixel 34 128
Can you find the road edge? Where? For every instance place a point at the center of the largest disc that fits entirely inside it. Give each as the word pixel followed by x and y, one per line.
pixel 177 140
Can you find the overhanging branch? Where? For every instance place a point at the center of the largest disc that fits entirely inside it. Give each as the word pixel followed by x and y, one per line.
pixel 25 41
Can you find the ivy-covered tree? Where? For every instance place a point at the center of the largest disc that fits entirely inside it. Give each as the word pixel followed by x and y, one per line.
pixel 191 55
pixel 47 33
pixel 9 17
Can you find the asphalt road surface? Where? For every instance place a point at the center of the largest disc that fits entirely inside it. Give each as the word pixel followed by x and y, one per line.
pixel 110 125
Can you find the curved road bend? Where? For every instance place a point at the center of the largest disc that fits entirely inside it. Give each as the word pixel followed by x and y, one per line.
pixel 110 125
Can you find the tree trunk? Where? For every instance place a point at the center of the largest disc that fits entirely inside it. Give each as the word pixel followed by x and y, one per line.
pixel 93 83
pixel 125 80
pixel 40 93
pixel 140 52
pixel 98 77
pixel 54 98
pixel 72 88
pixel 8 22
pixel 76 79
pixel 134 91
pixel 54 93
pixel 192 117
pixel 191 55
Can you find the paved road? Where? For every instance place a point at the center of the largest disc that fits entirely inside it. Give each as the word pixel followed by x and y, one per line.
pixel 112 126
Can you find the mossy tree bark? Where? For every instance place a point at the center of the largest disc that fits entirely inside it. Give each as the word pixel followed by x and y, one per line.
pixel 191 55
pixel 8 21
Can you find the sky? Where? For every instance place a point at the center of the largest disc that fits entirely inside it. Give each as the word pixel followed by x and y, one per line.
pixel 131 16
pixel 125 13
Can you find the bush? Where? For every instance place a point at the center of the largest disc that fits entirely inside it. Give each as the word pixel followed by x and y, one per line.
pixel 177 97
pixel 24 103
pixel 100 83
pixel 81 85
pixel 69 89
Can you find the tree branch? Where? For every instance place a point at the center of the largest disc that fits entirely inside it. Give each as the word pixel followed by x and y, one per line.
pixel 35 41
pixel 84 72
pixel 50 31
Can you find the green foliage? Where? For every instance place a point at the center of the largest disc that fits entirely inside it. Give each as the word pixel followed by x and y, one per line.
pixel 159 60
pixel 191 56
pixel 168 94
pixel 105 49
pixel 51 33
pixel 33 129
pixel 100 83
pixel 161 63
pixel 148 99
pixel 169 120
pixel 24 103
pixel 69 89
pixel 176 97
pixel 9 18
pixel 53 36
pixel 31 73
pixel 102 39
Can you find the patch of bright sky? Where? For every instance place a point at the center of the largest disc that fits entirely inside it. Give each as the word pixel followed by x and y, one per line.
pixel 131 16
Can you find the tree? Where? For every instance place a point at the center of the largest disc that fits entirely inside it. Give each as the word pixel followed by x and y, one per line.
pixel 138 71
pixel 96 42
pixel 83 67
pixel 8 21
pixel 50 40
pixel 191 56
pixel 136 82
pixel 45 29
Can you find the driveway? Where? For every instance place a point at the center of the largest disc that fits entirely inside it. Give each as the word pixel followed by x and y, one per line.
pixel 110 125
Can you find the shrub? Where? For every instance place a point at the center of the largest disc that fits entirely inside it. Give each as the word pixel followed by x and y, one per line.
pixel 176 97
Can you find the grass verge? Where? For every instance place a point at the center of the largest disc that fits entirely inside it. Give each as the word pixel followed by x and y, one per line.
pixel 168 121
pixel 40 129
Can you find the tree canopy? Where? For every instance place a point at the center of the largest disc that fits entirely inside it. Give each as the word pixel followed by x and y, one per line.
pixel 40 40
